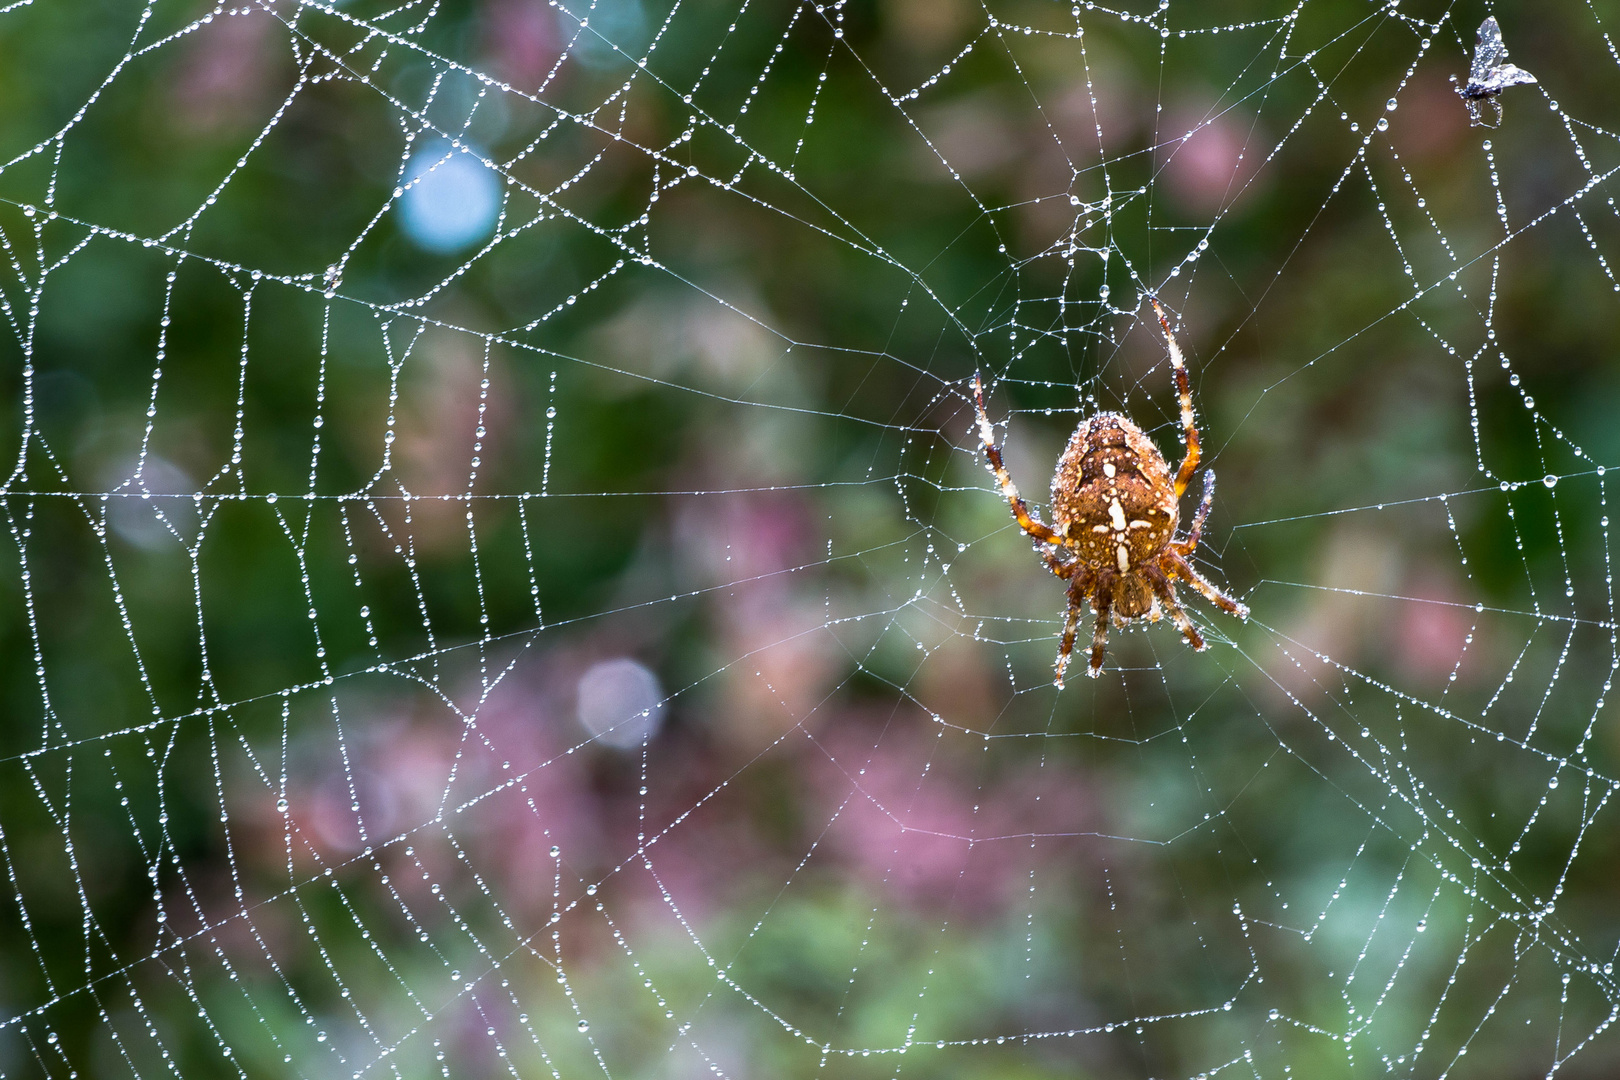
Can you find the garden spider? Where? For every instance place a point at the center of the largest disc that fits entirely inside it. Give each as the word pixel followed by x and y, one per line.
pixel 1114 514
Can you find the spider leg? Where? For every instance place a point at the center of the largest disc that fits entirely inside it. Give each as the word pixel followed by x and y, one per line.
pixel 1167 595
pixel 1189 464
pixel 1078 587
pixel 1182 569
pixel 1064 570
pixel 1009 490
pixel 1102 598
pixel 1187 546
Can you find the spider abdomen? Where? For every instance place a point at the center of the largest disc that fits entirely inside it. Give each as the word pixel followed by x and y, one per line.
pixel 1112 497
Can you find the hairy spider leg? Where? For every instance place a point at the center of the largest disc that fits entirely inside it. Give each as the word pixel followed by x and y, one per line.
pixel 1009 490
pixel 1183 570
pixel 1187 546
pixel 1167 595
pixel 1064 570
pixel 1102 598
pixel 1189 464
pixel 1079 586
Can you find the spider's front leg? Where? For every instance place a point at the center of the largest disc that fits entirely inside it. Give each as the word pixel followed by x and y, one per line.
pixel 1189 463
pixel 1009 491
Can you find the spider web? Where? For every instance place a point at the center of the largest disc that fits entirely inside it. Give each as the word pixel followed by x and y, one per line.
pixel 502 579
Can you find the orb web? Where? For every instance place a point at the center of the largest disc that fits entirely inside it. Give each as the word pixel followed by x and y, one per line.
pixel 501 577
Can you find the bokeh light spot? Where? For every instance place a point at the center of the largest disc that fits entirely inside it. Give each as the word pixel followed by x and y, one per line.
pixel 451 199
pixel 620 703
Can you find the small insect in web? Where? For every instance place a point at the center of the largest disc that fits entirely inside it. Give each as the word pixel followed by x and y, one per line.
pixel 1115 507
pixel 1489 75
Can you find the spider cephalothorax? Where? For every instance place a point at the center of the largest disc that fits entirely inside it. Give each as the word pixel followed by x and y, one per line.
pixel 1115 507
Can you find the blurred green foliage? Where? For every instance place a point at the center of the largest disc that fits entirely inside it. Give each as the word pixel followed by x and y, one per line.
pixel 312 533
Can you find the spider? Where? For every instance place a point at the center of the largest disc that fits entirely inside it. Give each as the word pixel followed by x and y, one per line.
pixel 1114 511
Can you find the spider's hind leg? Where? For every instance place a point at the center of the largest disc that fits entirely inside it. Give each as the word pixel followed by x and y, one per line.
pixel 1167 594
pixel 1079 586
pixel 1182 569
pixel 1102 598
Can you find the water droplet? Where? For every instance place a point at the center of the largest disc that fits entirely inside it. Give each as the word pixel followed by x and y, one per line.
pixel 281 806
pixel 584 1026
pixel 1550 480
pixel 555 851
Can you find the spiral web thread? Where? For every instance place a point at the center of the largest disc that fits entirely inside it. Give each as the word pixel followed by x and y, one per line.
pixel 1365 833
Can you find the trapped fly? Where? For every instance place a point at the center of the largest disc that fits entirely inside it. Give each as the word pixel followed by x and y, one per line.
pixel 1489 75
